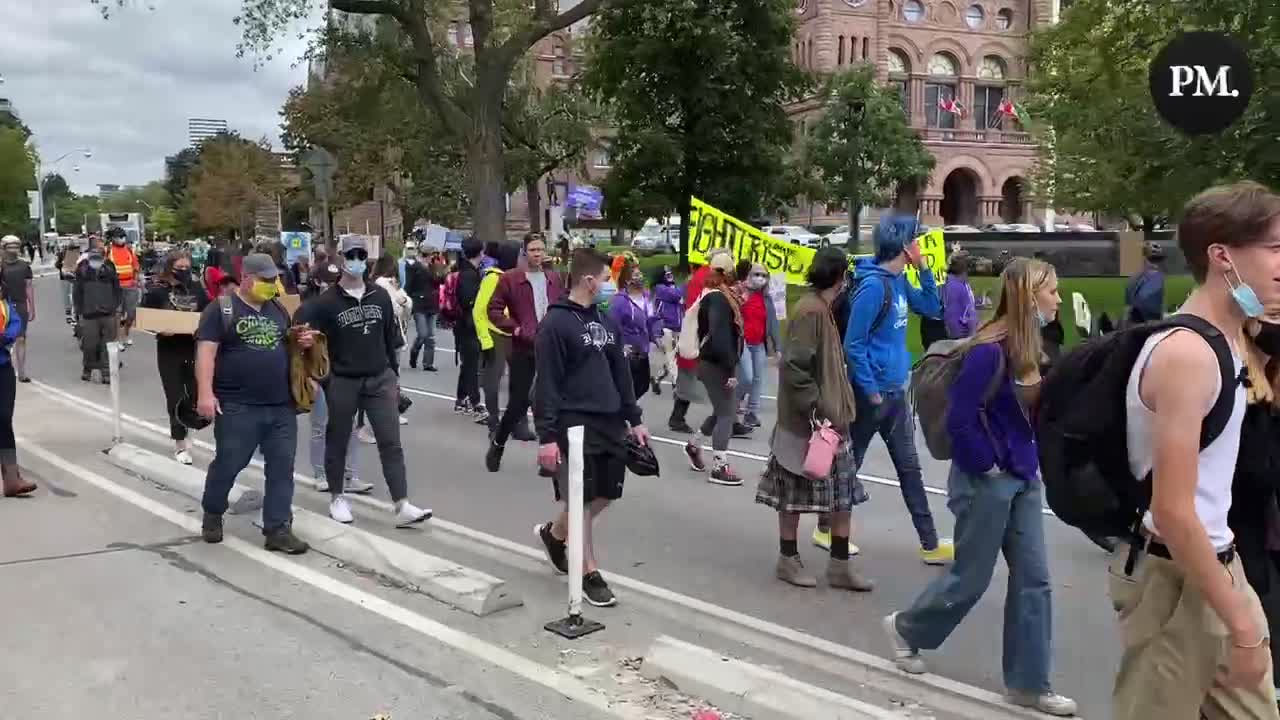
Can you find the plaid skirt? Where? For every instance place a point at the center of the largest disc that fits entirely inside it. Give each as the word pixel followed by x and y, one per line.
pixel 788 492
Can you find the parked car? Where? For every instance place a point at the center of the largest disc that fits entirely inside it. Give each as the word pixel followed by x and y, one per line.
pixel 793 234
pixel 960 229
pixel 838 237
pixel 657 238
pixel 1024 227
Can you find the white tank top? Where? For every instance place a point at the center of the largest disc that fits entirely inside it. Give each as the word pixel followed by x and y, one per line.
pixel 1217 464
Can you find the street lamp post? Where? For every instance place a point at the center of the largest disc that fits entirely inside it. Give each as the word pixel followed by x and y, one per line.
pixel 40 173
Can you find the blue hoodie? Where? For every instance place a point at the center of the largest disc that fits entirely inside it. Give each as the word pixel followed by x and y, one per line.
pixel 879 362
pixel 10 332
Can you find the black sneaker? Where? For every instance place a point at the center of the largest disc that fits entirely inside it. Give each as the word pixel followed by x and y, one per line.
pixel 493 457
pixel 656 387
pixel 679 426
pixel 695 457
pixel 430 368
pixel 461 407
pixel 750 420
pixel 724 475
pixel 482 416
pixel 286 542
pixel 105 377
pixel 413 363
pixel 741 431
pixel 211 528
pixel 597 591
pixel 555 548
pixel 87 376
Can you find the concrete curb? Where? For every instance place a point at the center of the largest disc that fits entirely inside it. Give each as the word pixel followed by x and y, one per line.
pixel 745 689
pixel 464 588
pixel 185 479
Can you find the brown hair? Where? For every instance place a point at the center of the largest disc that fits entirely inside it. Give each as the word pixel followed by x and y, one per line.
pixel 166 276
pixel 585 262
pixel 1237 215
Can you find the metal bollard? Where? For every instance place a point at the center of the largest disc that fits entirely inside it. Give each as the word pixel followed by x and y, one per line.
pixel 113 372
pixel 574 625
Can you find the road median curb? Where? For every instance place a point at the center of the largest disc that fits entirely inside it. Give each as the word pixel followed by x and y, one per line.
pixel 745 689
pixel 462 587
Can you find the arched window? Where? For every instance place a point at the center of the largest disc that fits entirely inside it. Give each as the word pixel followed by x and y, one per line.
pixel 866 48
pixel 940 91
pixel 991 68
pixel 989 94
pixel 840 50
pixel 1004 19
pixel 913 11
pixel 974 16
pixel 560 61
pixel 899 72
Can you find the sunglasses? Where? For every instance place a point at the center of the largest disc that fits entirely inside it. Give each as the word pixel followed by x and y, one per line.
pixel 356 254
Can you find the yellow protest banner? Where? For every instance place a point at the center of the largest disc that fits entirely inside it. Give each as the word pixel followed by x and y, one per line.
pixel 710 228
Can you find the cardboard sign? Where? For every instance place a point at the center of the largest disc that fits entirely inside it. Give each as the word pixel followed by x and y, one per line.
pixel 168 322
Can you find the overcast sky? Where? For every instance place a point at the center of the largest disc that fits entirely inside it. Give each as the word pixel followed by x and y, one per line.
pixel 125 87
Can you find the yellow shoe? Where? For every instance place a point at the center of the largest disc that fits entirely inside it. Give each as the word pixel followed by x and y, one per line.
pixel 943 554
pixel 822 539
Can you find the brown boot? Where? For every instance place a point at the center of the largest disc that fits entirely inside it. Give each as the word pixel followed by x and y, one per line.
pixel 841 575
pixel 14 485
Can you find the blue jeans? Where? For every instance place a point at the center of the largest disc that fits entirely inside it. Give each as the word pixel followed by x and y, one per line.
pixel 239 432
pixel 994 513
pixel 319 423
pixel 751 371
pixel 425 342
pixel 896 425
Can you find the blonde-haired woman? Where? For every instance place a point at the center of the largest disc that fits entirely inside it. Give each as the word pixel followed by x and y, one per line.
pixel 995 493
pixel 1255 504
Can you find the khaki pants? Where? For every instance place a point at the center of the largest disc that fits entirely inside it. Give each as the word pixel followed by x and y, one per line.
pixel 1174 644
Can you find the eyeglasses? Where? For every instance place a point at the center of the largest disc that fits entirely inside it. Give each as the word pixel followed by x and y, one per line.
pixel 356 254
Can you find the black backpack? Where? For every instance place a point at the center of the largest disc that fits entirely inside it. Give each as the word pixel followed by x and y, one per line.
pixel 843 304
pixel 1081 427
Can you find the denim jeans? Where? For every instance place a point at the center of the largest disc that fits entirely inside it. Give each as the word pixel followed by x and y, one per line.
pixel 751 371
pixel 896 425
pixel 425 342
pixel 319 424
pixel 994 513
pixel 239 431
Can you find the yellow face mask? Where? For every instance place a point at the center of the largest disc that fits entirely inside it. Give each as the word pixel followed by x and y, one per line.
pixel 264 291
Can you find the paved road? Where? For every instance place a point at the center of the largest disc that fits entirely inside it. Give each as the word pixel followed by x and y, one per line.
pixel 681 533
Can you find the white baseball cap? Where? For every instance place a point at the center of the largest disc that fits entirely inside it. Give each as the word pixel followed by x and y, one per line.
pixel 8 240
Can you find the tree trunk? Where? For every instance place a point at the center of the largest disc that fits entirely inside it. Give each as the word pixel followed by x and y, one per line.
pixel 535 205
pixel 485 166
pixel 855 219
pixel 1148 225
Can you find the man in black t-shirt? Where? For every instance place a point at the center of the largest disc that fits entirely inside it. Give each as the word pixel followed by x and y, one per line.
pixel 242 376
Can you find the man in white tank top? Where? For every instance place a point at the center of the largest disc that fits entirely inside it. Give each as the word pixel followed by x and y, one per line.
pixel 1196 642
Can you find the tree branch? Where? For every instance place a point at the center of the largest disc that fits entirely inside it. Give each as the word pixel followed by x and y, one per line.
pixel 544 23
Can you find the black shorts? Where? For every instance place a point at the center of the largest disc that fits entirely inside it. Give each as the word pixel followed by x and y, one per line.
pixel 604 468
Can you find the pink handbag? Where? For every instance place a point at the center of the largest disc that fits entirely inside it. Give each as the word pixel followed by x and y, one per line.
pixel 821 456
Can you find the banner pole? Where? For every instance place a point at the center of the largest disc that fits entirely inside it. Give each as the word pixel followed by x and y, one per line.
pixel 113 373
pixel 574 625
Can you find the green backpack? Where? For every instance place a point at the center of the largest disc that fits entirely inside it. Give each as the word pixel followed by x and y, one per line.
pixel 930 392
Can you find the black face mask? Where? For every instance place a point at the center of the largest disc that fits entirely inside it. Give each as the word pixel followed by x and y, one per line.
pixel 182 276
pixel 1268 339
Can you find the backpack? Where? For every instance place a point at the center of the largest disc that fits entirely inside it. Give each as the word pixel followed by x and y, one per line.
pixel 930 391
pixel 688 346
pixel 1081 430
pixel 229 312
pixel 450 307
pixel 843 305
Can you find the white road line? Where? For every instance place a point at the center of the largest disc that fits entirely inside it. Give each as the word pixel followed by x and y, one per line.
pixel 732 617
pixel 562 683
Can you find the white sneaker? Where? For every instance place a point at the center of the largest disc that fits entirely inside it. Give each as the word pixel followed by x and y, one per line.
pixel 128 342
pixel 184 457
pixel 905 657
pixel 356 485
pixel 408 515
pixel 404 420
pixel 365 435
pixel 341 511
pixel 1049 703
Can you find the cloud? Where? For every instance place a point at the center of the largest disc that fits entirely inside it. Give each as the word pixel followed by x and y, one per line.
pixel 124 87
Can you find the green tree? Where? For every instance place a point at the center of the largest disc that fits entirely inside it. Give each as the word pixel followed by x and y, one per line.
pixel 55 186
pixel 164 223
pixel 863 147
pixel 17 176
pixel 72 212
pixel 232 180
pixel 1103 146
pixel 696 90
pixel 466 93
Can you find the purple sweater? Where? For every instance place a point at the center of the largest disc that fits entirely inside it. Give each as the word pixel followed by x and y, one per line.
pixel 668 303
pixel 1011 443
pixel 958 310
pixel 634 321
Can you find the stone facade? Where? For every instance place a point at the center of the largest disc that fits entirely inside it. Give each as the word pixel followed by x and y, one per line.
pixel 972 51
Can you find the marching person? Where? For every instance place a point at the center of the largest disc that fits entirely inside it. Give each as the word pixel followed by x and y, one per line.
pixel 358 319
pixel 495 342
pixel 18 278
pixel 629 310
pixel 996 494
pixel 422 283
pixel 66 263
pixel 242 372
pixel 11 328
pixel 668 307
pixel 519 304
pixel 583 379
pixel 98 300
pixel 760 331
pixel 129 271
pixel 176 289
pixel 466 288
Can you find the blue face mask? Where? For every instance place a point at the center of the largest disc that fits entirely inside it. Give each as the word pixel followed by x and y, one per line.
pixel 1040 318
pixel 355 267
pixel 1244 295
pixel 606 291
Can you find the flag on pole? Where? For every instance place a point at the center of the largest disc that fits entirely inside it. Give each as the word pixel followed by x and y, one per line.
pixel 953 106
pixel 1009 109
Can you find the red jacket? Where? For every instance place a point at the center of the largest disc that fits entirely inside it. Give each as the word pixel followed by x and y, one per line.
pixel 692 292
pixel 512 305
